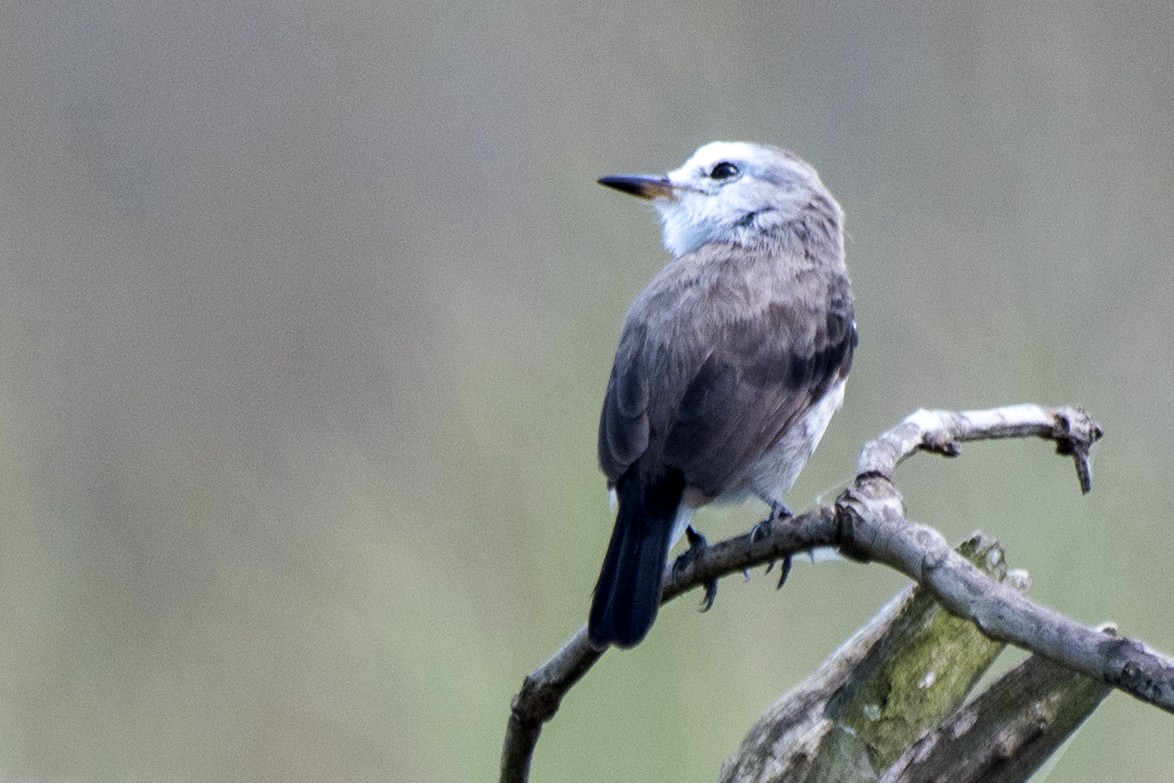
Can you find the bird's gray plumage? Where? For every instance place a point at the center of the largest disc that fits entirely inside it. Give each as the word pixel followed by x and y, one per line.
pixel 730 363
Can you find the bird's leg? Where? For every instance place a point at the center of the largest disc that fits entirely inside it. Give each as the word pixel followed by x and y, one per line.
pixel 697 544
pixel 762 530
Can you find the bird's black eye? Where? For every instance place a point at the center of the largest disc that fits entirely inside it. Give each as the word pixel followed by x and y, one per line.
pixel 724 170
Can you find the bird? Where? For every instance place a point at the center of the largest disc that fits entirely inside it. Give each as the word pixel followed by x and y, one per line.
pixel 730 364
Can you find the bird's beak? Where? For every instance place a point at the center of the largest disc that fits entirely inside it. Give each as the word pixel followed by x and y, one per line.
pixel 643 185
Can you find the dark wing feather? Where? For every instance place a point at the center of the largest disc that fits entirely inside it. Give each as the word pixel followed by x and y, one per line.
pixel 759 379
pixel 623 424
pixel 711 370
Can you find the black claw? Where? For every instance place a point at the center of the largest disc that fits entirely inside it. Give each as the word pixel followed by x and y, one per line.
pixel 761 530
pixel 784 572
pixel 710 594
pixel 697 544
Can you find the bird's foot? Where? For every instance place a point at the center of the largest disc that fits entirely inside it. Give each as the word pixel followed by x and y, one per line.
pixel 760 531
pixel 697 545
pixel 784 572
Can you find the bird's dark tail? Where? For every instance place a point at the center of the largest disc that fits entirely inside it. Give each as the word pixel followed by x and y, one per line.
pixel 627 594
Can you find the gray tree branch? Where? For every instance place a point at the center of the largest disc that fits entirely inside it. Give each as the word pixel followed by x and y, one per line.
pixel 868 522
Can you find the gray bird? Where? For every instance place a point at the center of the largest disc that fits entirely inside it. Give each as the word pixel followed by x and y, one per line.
pixel 730 365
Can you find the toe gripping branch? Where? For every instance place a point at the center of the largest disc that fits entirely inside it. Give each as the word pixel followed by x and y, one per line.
pixel 760 531
pixel 697 545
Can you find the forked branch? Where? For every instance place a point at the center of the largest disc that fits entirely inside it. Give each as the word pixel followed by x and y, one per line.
pixel 867 522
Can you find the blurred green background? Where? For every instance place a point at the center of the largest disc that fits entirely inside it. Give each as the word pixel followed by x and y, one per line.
pixel 307 311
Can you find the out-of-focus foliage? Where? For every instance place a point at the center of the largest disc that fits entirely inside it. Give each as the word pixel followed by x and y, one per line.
pixel 307 312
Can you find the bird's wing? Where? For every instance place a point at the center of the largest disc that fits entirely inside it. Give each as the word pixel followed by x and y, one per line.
pixel 623 424
pixel 706 380
pixel 753 387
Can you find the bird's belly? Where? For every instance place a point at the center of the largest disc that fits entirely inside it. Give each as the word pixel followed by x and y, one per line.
pixel 773 474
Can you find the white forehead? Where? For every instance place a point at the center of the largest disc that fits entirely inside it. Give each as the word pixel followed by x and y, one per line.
pixel 717 151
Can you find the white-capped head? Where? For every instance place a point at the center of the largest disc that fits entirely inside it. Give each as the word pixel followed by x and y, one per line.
pixel 734 192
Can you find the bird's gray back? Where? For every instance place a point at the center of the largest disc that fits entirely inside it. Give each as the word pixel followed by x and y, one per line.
pixel 724 349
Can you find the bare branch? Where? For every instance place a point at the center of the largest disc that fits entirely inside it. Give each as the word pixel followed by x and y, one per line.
pixel 538 701
pixel 868 523
pixel 871 528
pixel 943 432
pixel 543 690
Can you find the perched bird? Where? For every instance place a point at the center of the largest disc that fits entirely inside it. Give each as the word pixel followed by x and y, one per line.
pixel 730 365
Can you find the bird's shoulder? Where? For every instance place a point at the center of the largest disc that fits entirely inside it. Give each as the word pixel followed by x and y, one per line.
pixel 731 297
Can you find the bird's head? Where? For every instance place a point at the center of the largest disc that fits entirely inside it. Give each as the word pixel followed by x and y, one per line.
pixel 733 192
